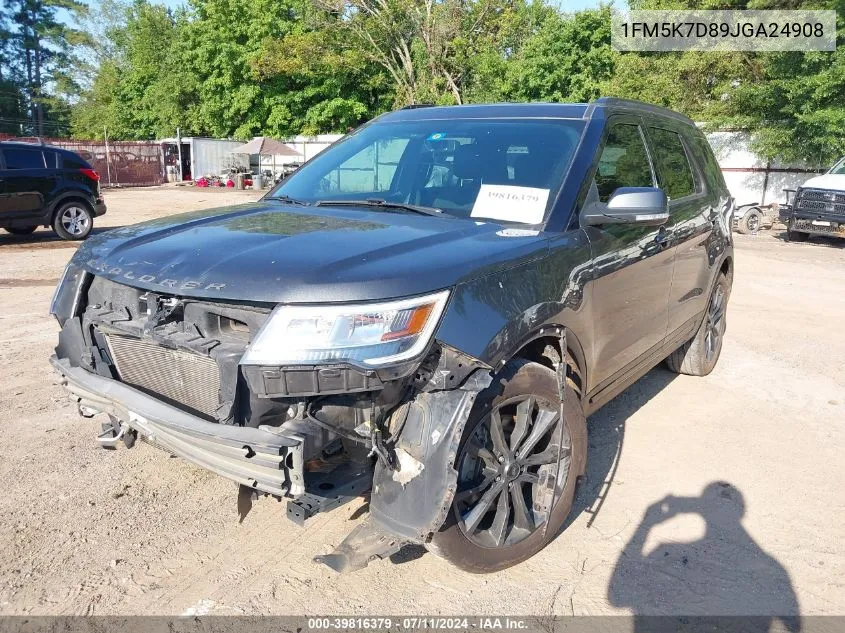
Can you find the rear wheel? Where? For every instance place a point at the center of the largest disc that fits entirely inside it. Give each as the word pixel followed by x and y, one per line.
pixel 750 222
pixel 21 230
pixel 698 356
pixel 73 221
pixel 517 470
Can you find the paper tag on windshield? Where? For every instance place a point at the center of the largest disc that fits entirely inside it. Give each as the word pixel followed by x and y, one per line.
pixel 514 204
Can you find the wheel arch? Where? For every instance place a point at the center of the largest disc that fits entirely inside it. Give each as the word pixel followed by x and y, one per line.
pixel 742 210
pixel 727 266
pixel 71 196
pixel 536 349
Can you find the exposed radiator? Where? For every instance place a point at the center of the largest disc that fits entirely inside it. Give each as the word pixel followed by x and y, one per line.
pixel 186 379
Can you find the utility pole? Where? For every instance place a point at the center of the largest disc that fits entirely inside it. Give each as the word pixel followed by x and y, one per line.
pixel 108 158
pixel 179 150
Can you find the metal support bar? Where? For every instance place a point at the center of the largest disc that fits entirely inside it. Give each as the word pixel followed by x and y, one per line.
pixel 328 491
pixel 110 439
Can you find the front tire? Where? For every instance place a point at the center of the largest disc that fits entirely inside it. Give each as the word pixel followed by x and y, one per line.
pixel 699 355
pixel 73 221
pixel 507 461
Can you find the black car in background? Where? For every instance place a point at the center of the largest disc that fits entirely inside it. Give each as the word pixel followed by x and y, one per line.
pixel 429 308
pixel 42 185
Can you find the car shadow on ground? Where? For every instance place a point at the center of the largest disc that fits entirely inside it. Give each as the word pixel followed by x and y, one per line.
pixel 814 240
pixel 606 436
pixel 45 238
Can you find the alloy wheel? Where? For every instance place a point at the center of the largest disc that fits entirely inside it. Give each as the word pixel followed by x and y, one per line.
pixel 75 220
pixel 753 222
pixel 508 472
pixel 715 326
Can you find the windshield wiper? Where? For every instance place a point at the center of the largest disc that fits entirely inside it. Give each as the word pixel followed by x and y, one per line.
pixel 289 200
pixel 381 204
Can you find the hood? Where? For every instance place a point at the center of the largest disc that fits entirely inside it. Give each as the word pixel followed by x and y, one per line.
pixel 274 253
pixel 827 181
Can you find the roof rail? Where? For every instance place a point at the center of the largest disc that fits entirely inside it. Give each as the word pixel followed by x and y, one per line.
pixel 414 106
pixel 633 104
pixel 30 140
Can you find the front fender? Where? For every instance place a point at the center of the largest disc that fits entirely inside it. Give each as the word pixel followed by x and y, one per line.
pixel 492 317
pixel 415 504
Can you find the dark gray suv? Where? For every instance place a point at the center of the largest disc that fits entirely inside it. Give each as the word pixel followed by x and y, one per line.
pixel 429 309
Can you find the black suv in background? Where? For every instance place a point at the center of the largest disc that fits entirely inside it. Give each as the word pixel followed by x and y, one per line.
pixel 42 185
pixel 430 308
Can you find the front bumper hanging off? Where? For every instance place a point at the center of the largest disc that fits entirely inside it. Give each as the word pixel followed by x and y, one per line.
pixel 257 458
pixel 406 505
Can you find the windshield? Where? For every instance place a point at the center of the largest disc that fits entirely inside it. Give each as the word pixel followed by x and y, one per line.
pixel 838 168
pixel 508 170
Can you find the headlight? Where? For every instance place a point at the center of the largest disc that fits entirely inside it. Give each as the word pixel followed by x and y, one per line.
pixel 365 334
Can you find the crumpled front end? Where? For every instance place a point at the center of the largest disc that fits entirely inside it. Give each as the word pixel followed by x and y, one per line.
pixel 167 368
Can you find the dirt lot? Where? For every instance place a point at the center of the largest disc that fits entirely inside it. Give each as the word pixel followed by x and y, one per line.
pixel 755 451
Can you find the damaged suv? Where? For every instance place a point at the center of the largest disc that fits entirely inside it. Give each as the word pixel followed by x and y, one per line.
pixel 428 309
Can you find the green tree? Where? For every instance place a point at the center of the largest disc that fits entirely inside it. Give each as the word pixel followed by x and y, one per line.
pixel 12 100
pixel 142 88
pixel 433 51
pixel 792 103
pixel 565 60
pixel 795 104
pixel 222 39
pixel 323 84
pixel 46 48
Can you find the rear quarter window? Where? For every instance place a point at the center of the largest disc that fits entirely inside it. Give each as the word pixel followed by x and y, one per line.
pixel 23 158
pixel 712 172
pixel 72 161
pixel 676 175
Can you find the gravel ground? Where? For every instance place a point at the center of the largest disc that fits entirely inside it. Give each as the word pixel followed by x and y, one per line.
pixel 751 457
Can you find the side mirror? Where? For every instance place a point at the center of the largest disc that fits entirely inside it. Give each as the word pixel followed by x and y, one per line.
pixel 647 206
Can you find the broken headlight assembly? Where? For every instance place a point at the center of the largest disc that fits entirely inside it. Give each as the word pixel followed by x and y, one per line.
pixel 68 293
pixel 366 334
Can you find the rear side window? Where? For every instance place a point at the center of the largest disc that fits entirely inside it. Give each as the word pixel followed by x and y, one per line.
pixel 23 158
pixel 623 162
pixel 676 177
pixel 712 171
pixel 72 161
pixel 53 160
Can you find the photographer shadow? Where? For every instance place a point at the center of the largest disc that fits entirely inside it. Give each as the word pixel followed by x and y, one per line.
pixel 724 573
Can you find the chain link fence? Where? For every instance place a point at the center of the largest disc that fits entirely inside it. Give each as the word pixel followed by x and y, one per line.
pixel 119 163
